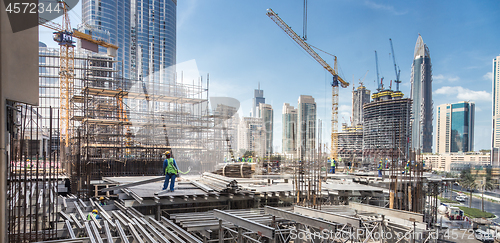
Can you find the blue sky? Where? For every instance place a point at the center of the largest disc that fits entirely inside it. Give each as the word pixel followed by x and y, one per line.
pixel 240 46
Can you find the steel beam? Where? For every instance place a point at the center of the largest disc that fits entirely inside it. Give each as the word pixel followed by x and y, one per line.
pixel 333 217
pixel 121 232
pixel 96 232
pixel 157 234
pixel 180 231
pixel 173 237
pixel 70 229
pixel 260 229
pixel 81 226
pixel 137 183
pixel 107 232
pixel 301 219
pixel 144 232
pixel 136 235
pixel 89 233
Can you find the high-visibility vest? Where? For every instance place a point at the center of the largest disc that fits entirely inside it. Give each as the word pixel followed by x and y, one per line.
pixel 170 167
pixel 380 166
pixel 333 163
pixel 89 216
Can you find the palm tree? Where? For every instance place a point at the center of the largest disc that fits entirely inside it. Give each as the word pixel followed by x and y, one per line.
pixel 487 186
pixel 468 181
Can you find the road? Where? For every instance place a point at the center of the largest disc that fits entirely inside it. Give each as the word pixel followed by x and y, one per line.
pixel 490 207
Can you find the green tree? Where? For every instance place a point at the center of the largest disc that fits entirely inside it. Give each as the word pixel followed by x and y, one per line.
pixel 487 186
pixel 467 180
pixel 249 154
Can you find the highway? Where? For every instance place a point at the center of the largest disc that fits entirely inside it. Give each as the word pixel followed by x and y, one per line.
pixel 490 207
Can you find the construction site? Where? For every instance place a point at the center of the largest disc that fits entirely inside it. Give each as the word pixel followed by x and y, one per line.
pixel 85 164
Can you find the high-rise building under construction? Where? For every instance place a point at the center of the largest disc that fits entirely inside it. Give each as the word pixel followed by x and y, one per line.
pixel 421 94
pixel 386 126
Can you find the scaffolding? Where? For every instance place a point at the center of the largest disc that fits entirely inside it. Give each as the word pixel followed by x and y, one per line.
pixel 124 126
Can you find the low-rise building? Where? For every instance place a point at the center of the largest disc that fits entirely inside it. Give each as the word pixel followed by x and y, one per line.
pixel 445 162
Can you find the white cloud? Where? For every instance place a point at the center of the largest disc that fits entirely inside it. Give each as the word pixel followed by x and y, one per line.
pixel 439 78
pixel 488 76
pixel 462 93
pixel 388 8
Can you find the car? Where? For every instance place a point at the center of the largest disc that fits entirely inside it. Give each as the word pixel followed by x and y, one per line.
pixel 461 198
pixel 483 236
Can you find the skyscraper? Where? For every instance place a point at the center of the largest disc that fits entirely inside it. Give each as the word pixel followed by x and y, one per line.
pixel 306 129
pixel 252 136
pixel 289 135
pixel 267 115
pixel 360 96
pixel 258 98
pixel 455 127
pixel 421 94
pixel 495 143
pixel 145 32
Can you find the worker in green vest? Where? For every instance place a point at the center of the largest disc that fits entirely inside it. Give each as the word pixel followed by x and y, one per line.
pixel 93 213
pixel 171 170
pixel 332 164
pixel 380 167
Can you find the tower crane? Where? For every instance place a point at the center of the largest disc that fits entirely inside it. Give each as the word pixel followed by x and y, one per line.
pixel 64 37
pixel 337 80
pixel 379 81
pixel 398 72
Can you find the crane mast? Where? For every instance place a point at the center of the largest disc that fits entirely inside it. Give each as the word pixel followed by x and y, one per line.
pixel 337 80
pixel 398 72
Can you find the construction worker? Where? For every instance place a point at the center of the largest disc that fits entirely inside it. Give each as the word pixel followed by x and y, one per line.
pixel 407 167
pixel 171 170
pixel 102 202
pixel 332 163
pixel 93 213
pixel 380 166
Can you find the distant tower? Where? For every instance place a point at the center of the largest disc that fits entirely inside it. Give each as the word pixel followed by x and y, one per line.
pixel 258 98
pixel 289 135
pixel 495 138
pixel 455 127
pixel 421 94
pixel 306 129
pixel 360 96
pixel 267 115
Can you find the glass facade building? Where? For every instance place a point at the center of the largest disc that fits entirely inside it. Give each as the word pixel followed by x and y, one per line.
pixel 306 129
pixel 455 127
pixel 144 31
pixel 289 134
pixel 267 115
pixel 421 94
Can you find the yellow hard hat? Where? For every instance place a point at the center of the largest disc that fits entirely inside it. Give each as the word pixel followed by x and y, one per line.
pixel 167 153
pixel 101 198
pixel 94 211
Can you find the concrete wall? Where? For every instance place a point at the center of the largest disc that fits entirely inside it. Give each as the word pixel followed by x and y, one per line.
pixel 18 82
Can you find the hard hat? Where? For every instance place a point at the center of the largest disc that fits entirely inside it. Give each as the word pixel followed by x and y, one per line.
pixel 167 153
pixel 101 198
pixel 94 211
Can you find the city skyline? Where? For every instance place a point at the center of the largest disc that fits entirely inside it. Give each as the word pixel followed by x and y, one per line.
pixel 242 47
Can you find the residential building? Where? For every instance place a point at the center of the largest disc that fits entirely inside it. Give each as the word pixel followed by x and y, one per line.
pixel 445 162
pixel 455 127
pixel 252 135
pixel 144 31
pixel 421 94
pixel 495 138
pixel 267 115
pixel 258 98
pixel 289 134
pixel 306 129
pixel 360 96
